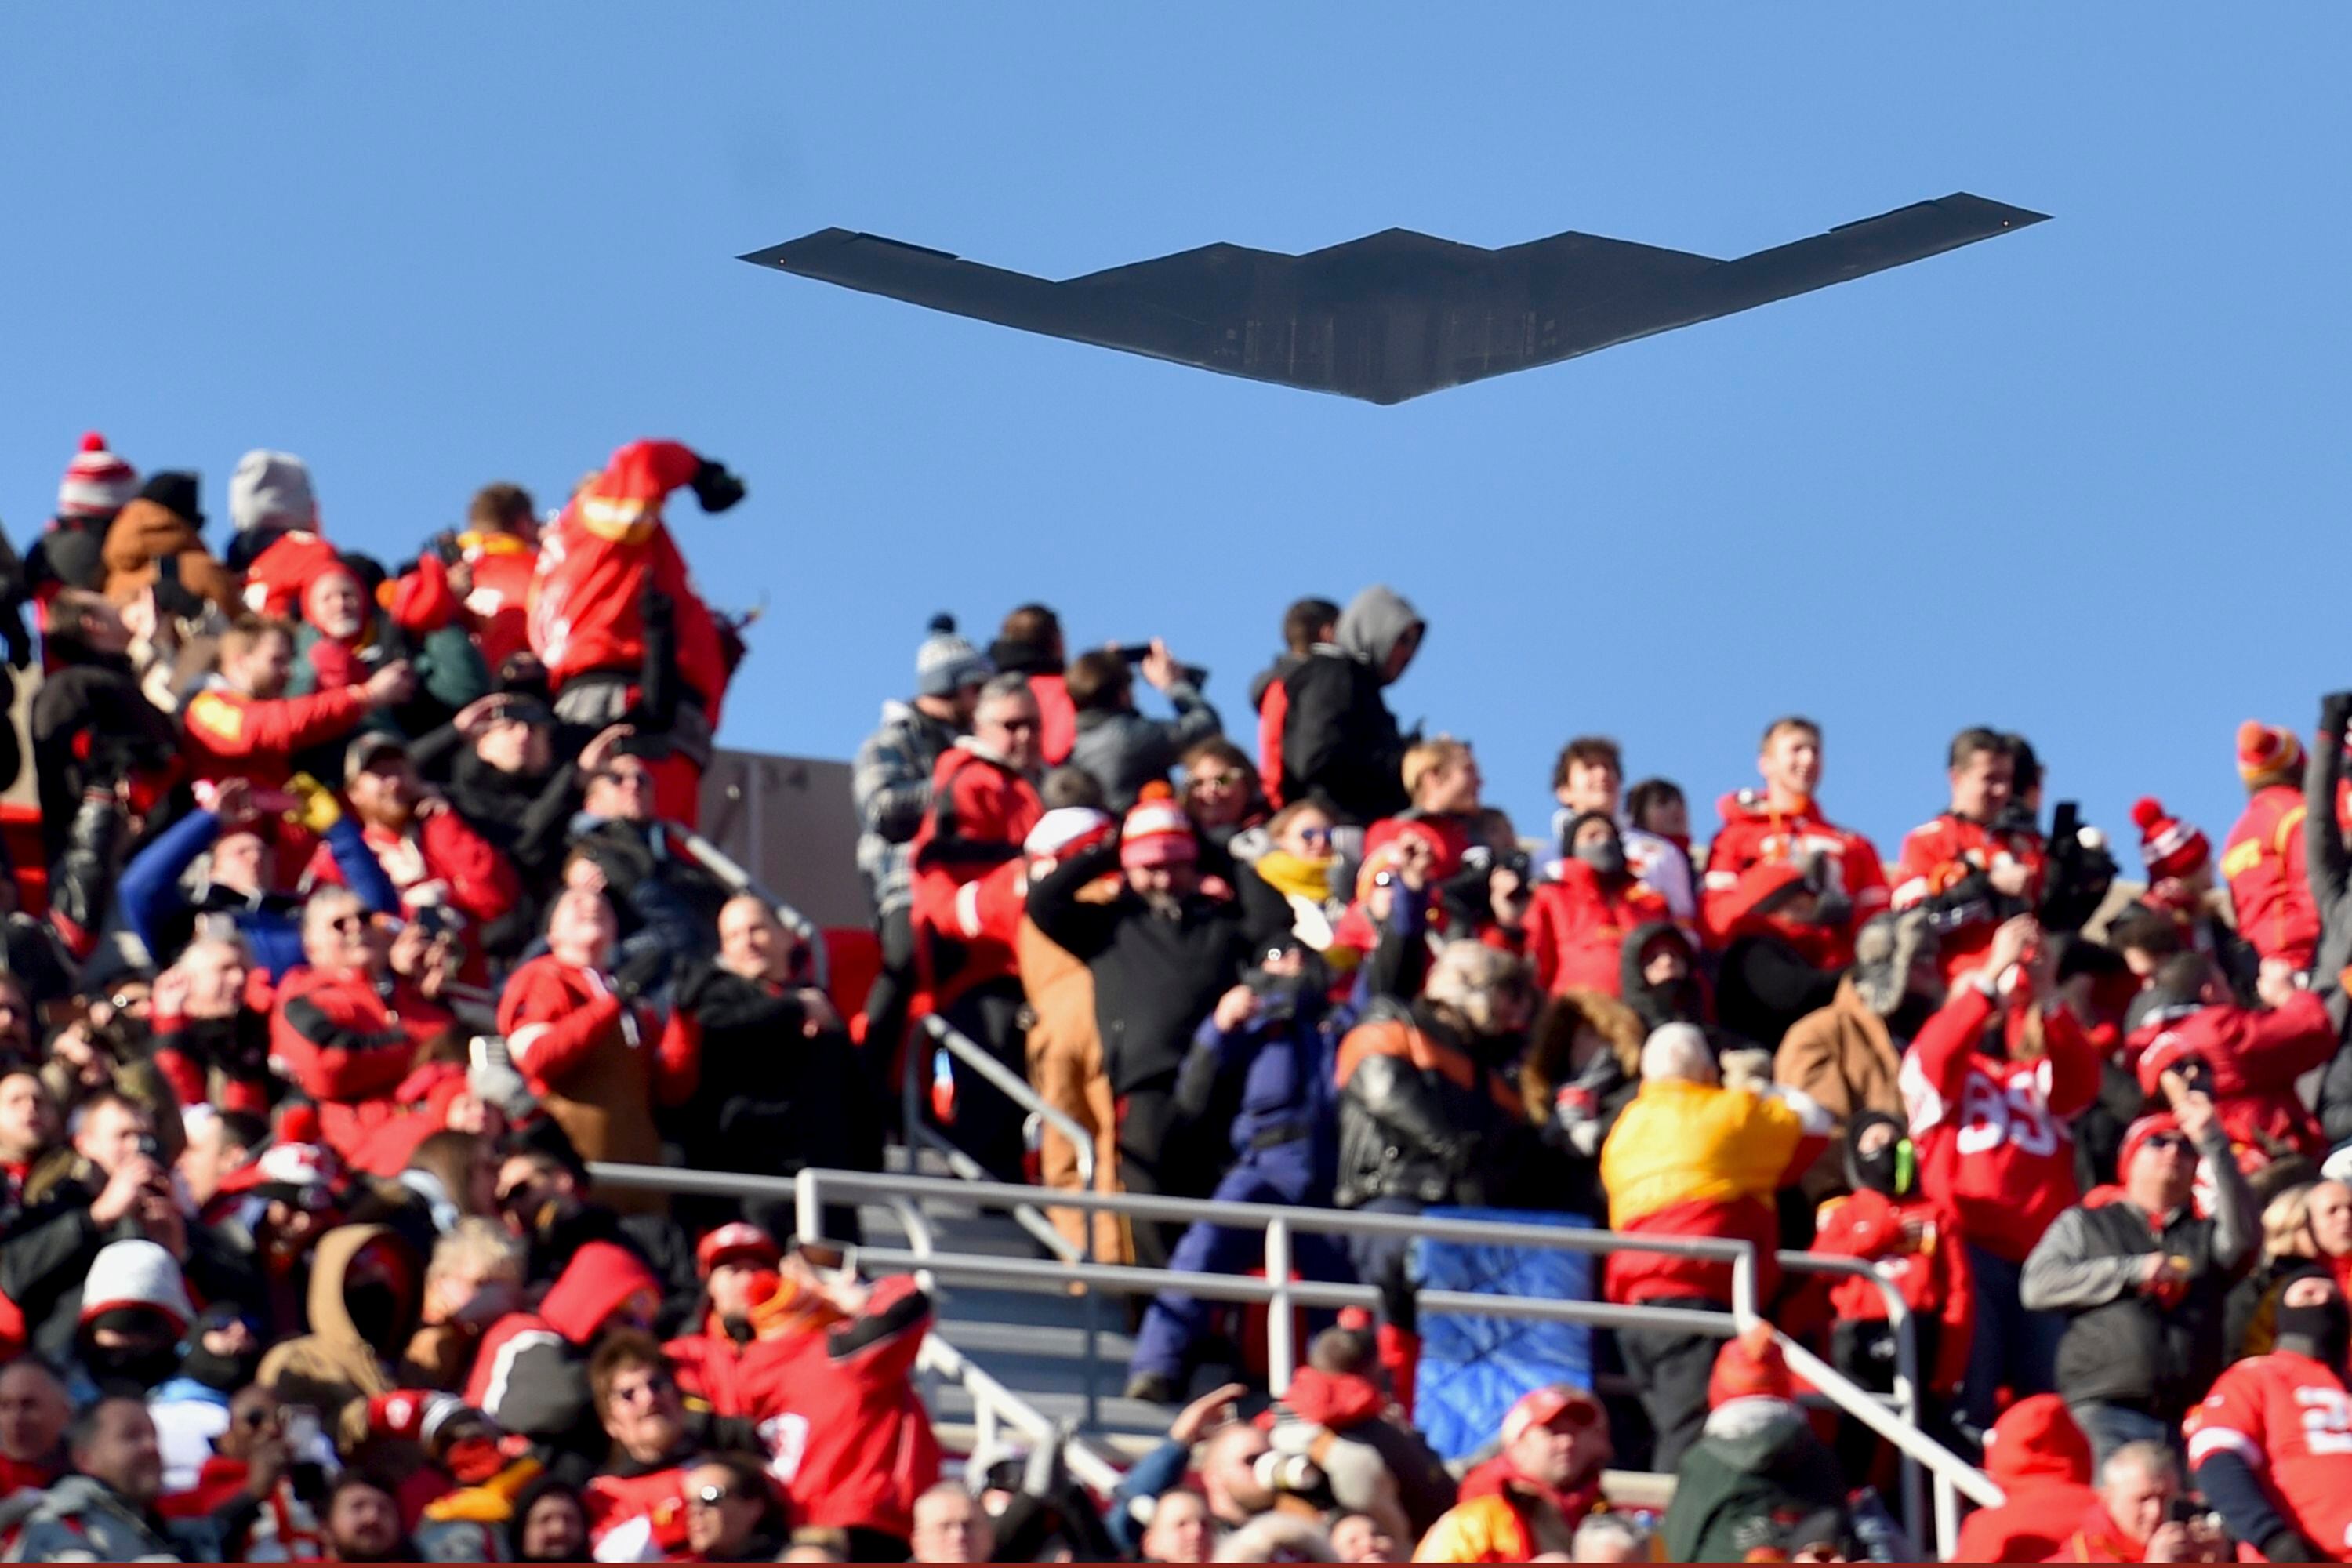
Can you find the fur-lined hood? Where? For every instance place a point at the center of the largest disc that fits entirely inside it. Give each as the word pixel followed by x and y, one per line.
pixel 1547 1070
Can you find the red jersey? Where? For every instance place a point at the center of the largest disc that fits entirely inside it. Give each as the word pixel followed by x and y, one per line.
pixel 1576 930
pixel 2270 886
pixel 981 811
pixel 1754 833
pixel 498 605
pixel 278 576
pixel 438 859
pixel 1938 855
pixel 709 1366
pixel 845 1430
pixel 608 546
pixel 2290 1419
pixel 231 735
pixel 1996 1143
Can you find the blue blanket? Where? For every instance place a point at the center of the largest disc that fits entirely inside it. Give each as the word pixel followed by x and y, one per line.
pixel 1473 1368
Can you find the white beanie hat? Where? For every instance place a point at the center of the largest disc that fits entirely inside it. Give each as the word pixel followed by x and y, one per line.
pixel 271 490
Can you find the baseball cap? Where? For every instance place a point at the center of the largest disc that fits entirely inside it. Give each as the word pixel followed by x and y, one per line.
pixel 370 748
pixel 1542 1406
pixel 737 1242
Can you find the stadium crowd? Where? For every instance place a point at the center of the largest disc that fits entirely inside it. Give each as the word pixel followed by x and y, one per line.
pixel 366 911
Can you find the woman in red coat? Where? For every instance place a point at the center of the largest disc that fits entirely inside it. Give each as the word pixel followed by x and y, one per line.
pixel 1576 926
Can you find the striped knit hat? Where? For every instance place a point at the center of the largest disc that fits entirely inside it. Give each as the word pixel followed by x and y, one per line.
pixel 1157 832
pixel 2169 847
pixel 946 661
pixel 2266 752
pixel 97 483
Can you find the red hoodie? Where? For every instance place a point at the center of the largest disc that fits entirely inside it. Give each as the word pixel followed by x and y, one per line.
pixel 1577 929
pixel 2255 1055
pixel 2043 1463
pixel 1753 833
pixel 1932 1277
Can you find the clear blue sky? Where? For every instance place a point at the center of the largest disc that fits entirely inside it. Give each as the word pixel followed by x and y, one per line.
pixel 2086 481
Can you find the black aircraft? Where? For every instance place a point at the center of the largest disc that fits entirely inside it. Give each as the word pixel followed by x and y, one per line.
pixel 1395 314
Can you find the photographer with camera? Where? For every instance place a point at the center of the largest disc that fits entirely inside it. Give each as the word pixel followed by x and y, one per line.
pixel 1981 861
pixel 2143 1516
pixel 1268 1046
pixel 1121 748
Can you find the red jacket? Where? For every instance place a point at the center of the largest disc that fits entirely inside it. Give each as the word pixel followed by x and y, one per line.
pixel 1933 1277
pixel 651 1500
pixel 1941 855
pixel 231 735
pixel 594 568
pixel 497 609
pixel 2255 1055
pixel 556 1018
pixel 709 1367
pixel 979 813
pixel 1753 833
pixel 348 1043
pixel 420 1109
pixel 845 1432
pixel 1576 930
pixel 2270 886
pixel 1057 718
pixel 531 1374
pixel 438 860
pixel 1995 1136
pixel 2043 1463
pixel 277 577
pixel 1273 713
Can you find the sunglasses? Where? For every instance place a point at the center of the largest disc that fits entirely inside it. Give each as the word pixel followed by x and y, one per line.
pixel 2170 1143
pixel 347 925
pixel 633 779
pixel 1313 835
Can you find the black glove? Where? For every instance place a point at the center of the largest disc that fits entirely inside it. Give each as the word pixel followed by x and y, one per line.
pixel 2286 1545
pixel 2335 712
pixel 641 972
pixel 715 488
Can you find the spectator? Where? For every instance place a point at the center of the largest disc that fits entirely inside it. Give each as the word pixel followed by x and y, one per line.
pixel 345 1029
pixel 1782 823
pixel 134 1309
pixel 646 864
pixel 242 725
pixel 1882 1219
pixel 364 1522
pixel 1847 1057
pixel 2144 1323
pixel 731 1514
pixel 1287 890
pixel 1181 1530
pixel 1658 805
pixel 1588 777
pixel 1373 1460
pixel 497 554
pixel 1266 1048
pixel 276 544
pixel 550 1524
pixel 1163 1469
pixel 1030 644
pixel 196 1409
pixel 98 484
pixel 595 1058
pixel 2181 887
pixel 105 1510
pixel 780 1088
pixel 950 1528
pixel 2329 864
pixel 1227 808
pixel 641 1501
pixel 2302 1225
pixel 2266 1446
pixel 543 1192
pixel 1161 953
pixel 363 1304
pixel 1304 624
pixel 1756 1465
pixel 1577 924
pixel 33 1415
pixel 1582 1068
pixel 94 734
pixel 1533 1496
pixel 240 874
pixel 2134 1520
pixel 1990 1088
pixel 1972 868
pixel 1778 966
pixel 2038 1458
pixel 504 781
pixel 2247 1059
pixel 1658 976
pixel 1441 783
pixel 1609 1537
pixel 2263 859
pixel 1340 745
pixel 1123 750
pixel 342 634
pixel 1690 1157
pixel 430 853
pixel 829 1380
pixel 473 1279
pixel 707 1364
pixel 983 805
pixel 608 561
pixel 891 786
pixel 158 534
pixel 1276 1538
pixel 531 1376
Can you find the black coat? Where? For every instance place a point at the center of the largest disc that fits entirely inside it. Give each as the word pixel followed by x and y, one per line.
pixel 1340 745
pixel 772 1101
pixel 1413 1133
pixel 1155 978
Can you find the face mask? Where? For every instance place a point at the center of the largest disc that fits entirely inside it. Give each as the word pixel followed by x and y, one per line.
pixel 1890 1170
pixel 1607 857
pixel 2324 1332
pixel 145 1368
pixel 375 1312
pixel 1910 1015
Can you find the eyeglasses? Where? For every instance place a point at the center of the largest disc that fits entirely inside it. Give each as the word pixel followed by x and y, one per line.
pixel 1231 778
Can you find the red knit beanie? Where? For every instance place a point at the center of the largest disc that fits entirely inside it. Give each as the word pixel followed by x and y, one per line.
pixel 97 483
pixel 1157 832
pixel 2267 752
pixel 1751 1367
pixel 2169 846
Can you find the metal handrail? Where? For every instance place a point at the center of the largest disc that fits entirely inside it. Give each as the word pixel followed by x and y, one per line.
pixel 1280 1294
pixel 920 1134
pixel 1907 1398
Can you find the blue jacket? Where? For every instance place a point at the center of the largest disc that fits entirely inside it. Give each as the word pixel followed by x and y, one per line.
pixel 150 894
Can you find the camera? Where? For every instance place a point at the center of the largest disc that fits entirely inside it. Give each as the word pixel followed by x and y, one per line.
pixel 1137 652
pixel 1279 1472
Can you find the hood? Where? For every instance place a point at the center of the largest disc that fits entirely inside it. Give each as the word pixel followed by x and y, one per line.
pixel 600 1277
pixel 1546 1069
pixel 1683 1002
pixel 2036 1440
pixel 133 1274
pixel 144 530
pixel 331 1317
pixel 1371 627
pixel 1335 1400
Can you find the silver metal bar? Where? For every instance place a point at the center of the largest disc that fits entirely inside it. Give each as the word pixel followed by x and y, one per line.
pixel 1906 1396
pixel 1016 1088
pixel 1280 1352
pixel 716 861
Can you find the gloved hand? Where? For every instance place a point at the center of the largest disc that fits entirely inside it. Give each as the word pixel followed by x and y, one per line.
pixel 2335 712
pixel 316 806
pixel 641 972
pixel 715 488
pixel 417 1415
pixel 473 1459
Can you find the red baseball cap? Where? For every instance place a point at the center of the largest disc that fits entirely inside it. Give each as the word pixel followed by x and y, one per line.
pixel 1542 1406
pixel 737 1242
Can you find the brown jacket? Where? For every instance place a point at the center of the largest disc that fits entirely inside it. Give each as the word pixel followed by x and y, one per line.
pixel 1066 1067
pixel 1845 1058
pixel 331 1369
pixel 145 532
